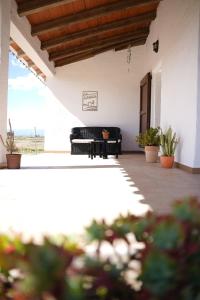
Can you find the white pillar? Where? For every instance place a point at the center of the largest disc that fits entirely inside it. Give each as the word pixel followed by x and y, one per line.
pixel 197 149
pixel 4 60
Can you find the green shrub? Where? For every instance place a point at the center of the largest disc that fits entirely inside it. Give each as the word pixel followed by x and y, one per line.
pixel 165 266
pixel 151 137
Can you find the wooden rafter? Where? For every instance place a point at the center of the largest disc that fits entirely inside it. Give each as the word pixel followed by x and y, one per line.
pixel 100 43
pixel 30 64
pixel 109 45
pixel 22 56
pixel 73 58
pixel 93 32
pixel 91 53
pixel 87 15
pixel 130 44
pixel 29 7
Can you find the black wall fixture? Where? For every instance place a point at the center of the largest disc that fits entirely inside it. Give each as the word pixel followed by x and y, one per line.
pixel 156 46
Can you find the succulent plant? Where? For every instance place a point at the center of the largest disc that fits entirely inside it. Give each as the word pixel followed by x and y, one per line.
pixel 168 142
pixel 105 130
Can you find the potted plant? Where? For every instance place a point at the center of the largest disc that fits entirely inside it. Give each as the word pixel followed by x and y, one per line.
pixel 165 267
pixel 105 134
pixel 168 143
pixel 13 158
pixel 150 140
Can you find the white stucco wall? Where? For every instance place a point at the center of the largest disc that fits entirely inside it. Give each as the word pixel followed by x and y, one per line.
pixel 118 97
pixel 177 29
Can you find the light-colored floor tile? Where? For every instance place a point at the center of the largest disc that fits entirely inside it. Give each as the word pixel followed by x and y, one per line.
pixel 60 193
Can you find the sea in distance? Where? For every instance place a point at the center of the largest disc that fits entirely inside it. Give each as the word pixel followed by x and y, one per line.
pixel 29 132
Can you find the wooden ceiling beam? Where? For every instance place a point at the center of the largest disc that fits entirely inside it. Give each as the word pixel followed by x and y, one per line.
pixel 29 7
pixel 125 45
pixel 12 44
pixel 30 64
pixel 99 43
pixel 21 53
pixel 106 46
pixel 73 58
pixel 93 32
pixel 91 53
pixel 87 15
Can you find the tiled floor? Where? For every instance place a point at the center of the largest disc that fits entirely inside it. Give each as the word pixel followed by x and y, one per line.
pixel 60 193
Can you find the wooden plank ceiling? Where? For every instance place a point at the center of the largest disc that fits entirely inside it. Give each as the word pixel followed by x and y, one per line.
pixel 21 55
pixel 73 30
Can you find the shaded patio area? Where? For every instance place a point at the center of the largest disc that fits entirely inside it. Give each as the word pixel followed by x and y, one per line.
pixel 60 193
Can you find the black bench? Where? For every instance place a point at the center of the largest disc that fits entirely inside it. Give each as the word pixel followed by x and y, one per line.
pixel 81 138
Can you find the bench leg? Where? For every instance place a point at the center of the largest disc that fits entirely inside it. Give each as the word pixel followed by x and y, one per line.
pixel 117 149
pixel 89 150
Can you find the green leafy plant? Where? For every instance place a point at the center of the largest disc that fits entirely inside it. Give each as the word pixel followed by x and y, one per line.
pixel 105 134
pixel 155 257
pixel 172 254
pixel 168 142
pixel 151 137
pixel 9 143
pixel 105 131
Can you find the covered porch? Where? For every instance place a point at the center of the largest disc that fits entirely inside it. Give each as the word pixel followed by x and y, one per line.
pixel 48 38
pixel 107 47
pixel 104 48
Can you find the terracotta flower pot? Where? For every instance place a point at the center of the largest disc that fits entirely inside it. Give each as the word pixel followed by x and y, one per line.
pixel 151 153
pixel 13 161
pixel 167 161
pixel 105 135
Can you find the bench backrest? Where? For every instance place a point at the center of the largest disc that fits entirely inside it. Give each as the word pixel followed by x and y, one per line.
pixel 95 132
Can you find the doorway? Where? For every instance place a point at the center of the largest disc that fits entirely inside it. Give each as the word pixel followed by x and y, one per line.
pixel 145 103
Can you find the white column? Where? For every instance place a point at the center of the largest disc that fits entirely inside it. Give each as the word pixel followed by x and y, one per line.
pixel 197 148
pixel 4 59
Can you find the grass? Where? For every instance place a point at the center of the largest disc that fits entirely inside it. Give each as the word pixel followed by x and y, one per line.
pixel 30 144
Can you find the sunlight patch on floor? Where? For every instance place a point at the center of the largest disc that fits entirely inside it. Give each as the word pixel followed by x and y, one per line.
pixel 64 160
pixel 37 201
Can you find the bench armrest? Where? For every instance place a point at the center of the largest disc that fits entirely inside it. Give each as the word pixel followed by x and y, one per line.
pixel 119 137
pixel 73 136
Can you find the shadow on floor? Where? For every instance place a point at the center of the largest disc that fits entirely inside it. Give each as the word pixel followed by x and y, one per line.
pixel 159 186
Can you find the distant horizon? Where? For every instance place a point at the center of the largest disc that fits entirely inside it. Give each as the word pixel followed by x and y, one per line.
pixel 28 132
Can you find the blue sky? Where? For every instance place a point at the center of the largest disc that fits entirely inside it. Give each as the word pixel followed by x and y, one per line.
pixel 26 100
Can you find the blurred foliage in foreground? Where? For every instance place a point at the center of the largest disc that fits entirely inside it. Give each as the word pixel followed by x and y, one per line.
pixel 154 257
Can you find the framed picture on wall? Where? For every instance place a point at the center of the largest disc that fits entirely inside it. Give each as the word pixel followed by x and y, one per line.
pixel 89 100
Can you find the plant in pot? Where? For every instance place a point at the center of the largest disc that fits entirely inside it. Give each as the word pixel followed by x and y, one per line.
pixel 105 134
pixel 168 143
pixel 13 158
pixel 150 141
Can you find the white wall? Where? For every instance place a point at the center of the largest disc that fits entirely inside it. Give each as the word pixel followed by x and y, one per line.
pixel 177 28
pixel 118 97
